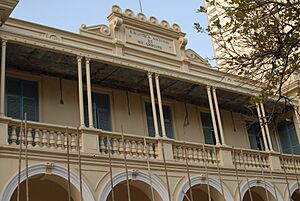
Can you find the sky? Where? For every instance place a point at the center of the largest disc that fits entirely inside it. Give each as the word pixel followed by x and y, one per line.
pixel 70 14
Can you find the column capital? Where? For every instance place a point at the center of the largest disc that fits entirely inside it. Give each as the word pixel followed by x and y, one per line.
pixel 208 87
pixel 3 42
pixel 87 60
pixel 156 75
pixel 149 74
pixel 214 88
pixel 79 58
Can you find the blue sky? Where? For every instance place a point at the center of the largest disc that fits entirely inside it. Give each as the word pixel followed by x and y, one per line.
pixel 70 14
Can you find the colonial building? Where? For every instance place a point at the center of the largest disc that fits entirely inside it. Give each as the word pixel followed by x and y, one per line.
pixel 125 112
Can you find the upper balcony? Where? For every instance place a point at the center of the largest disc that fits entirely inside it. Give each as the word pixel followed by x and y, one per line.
pixel 133 78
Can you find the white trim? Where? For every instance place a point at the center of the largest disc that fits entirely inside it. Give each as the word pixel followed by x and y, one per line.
pixel 36 169
pixel 141 176
pixel 293 188
pixel 262 184
pixel 212 182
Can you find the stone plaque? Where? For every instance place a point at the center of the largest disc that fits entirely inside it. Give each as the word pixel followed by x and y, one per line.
pixel 150 41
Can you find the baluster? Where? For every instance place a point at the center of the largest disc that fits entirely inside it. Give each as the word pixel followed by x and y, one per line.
pixel 146 150
pixel 140 149
pixel 213 156
pixel 209 158
pixel 13 136
pixel 73 142
pixel 195 155
pixel 127 148
pixel 45 139
pixel 175 153
pixel 52 140
pixel 102 145
pixel 200 156
pixel 65 140
pixel 133 149
pixel 59 140
pixel 151 151
pixel 155 150
pixel 29 137
pixel 115 146
pixel 37 137
pixel 180 153
pixel 121 147
pixel 190 155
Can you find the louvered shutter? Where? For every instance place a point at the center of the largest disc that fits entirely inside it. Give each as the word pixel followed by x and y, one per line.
pixel 207 128
pixel 150 122
pixel 168 121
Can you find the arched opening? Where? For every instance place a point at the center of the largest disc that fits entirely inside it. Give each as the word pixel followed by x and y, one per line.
pixel 296 195
pixel 138 190
pixel 201 191
pixel 258 193
pixel 47 188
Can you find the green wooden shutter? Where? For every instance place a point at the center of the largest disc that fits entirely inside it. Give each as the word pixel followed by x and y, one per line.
pixel 21 96
pixel 254 134
pixel 207 128
pixel 150 122
pixel 103 118
pixel 168 121
pixel 288 138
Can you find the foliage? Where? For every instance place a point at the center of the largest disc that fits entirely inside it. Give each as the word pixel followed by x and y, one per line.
pixel 258 39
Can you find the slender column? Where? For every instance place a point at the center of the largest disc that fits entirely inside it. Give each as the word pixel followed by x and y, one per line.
pixel 89 92
pixel 212 113
pixel 2 90
pixel 266 126
pixel 153 104
pixel 80 90
pixel 218 115
pixel 160 107
pixel 262 127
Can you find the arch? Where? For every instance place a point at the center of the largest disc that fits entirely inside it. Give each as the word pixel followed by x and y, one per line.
pixel 293 188
pixel 260 183
pixel 37 169
pixel 198 180
pixel 140 176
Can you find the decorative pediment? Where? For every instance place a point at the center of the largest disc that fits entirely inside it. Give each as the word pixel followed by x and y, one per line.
pixel 191 55
pixel 97 29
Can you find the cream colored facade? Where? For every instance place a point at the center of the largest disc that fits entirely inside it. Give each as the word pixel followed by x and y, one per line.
pixel 134 60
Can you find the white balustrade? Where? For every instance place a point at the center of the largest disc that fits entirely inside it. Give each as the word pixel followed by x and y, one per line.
pixel 42 136
pixel 194 153
pixel 133 146
pixel 250 159
pixel 290 163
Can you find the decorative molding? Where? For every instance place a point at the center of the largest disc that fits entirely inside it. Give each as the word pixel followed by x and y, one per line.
pixel 37 169
pixel 141 176
pixel 199 180
pixel 253 183
pixel 141 17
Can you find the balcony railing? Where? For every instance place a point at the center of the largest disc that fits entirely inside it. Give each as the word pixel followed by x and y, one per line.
pixel 246 158
pixel 195 153
pixel 50 137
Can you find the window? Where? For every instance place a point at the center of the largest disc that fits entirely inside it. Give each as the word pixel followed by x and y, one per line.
pixel 288 138
pixel 167 120
pixel 21 96
pixel 101 111
pixel 208 129
pixel 254 134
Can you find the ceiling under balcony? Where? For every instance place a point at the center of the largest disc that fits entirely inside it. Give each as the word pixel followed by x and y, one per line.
pixel 39 61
